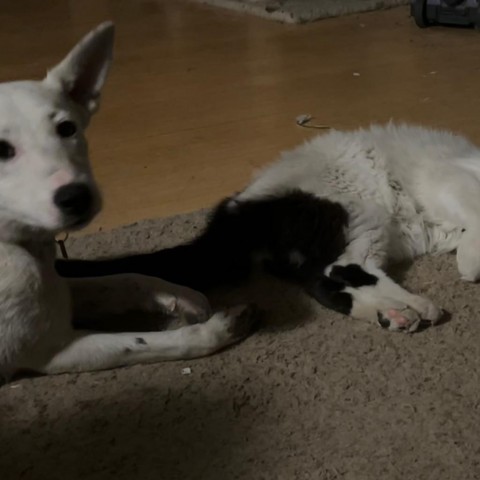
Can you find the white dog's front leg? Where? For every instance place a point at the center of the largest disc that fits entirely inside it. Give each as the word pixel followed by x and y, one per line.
pixel 117 294
pixel 99 351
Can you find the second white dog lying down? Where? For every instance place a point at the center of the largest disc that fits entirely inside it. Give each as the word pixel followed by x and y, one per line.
pixel 46 186
pixel 331 214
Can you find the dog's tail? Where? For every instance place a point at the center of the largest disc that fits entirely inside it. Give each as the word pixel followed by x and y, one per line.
pixel 298 233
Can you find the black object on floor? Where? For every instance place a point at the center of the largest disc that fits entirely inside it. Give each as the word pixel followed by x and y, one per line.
pixel 446 12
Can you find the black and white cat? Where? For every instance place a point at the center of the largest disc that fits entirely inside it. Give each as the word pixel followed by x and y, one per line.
pixel 330 215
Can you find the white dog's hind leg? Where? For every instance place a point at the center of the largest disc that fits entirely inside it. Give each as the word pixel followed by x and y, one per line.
pixel 464 199
pixel 468 254
pixel 452 194
pixel 99 351
pixel 95 298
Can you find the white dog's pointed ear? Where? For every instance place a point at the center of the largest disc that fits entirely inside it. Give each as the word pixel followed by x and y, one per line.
pixel 83 71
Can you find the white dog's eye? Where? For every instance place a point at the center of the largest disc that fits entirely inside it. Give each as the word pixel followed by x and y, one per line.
pixel 66 129
pixel 7 150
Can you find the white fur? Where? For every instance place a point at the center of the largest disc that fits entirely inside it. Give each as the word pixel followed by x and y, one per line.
pixel 36 330
pixel 408 191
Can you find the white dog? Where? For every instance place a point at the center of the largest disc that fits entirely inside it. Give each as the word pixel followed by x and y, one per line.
pixel 331 214
pixel 46 186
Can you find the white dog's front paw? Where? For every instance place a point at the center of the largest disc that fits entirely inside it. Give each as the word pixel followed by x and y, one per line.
pixel 395 320
pixel 232 325
pixel 408 318
pixel 427 309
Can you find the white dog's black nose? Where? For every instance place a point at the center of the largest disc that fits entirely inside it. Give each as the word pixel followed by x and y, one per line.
pixel 74 199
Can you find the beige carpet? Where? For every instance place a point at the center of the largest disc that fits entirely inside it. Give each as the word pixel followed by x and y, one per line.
pixel 312 395
pixel 302 11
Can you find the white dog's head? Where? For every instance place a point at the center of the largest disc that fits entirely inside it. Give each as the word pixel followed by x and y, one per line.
pixel 46 182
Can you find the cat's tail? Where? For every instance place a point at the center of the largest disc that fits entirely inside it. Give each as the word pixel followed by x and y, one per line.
pixel 297 234
pixel 222 254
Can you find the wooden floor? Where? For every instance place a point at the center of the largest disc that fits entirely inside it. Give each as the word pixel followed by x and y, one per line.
pixel 199 98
